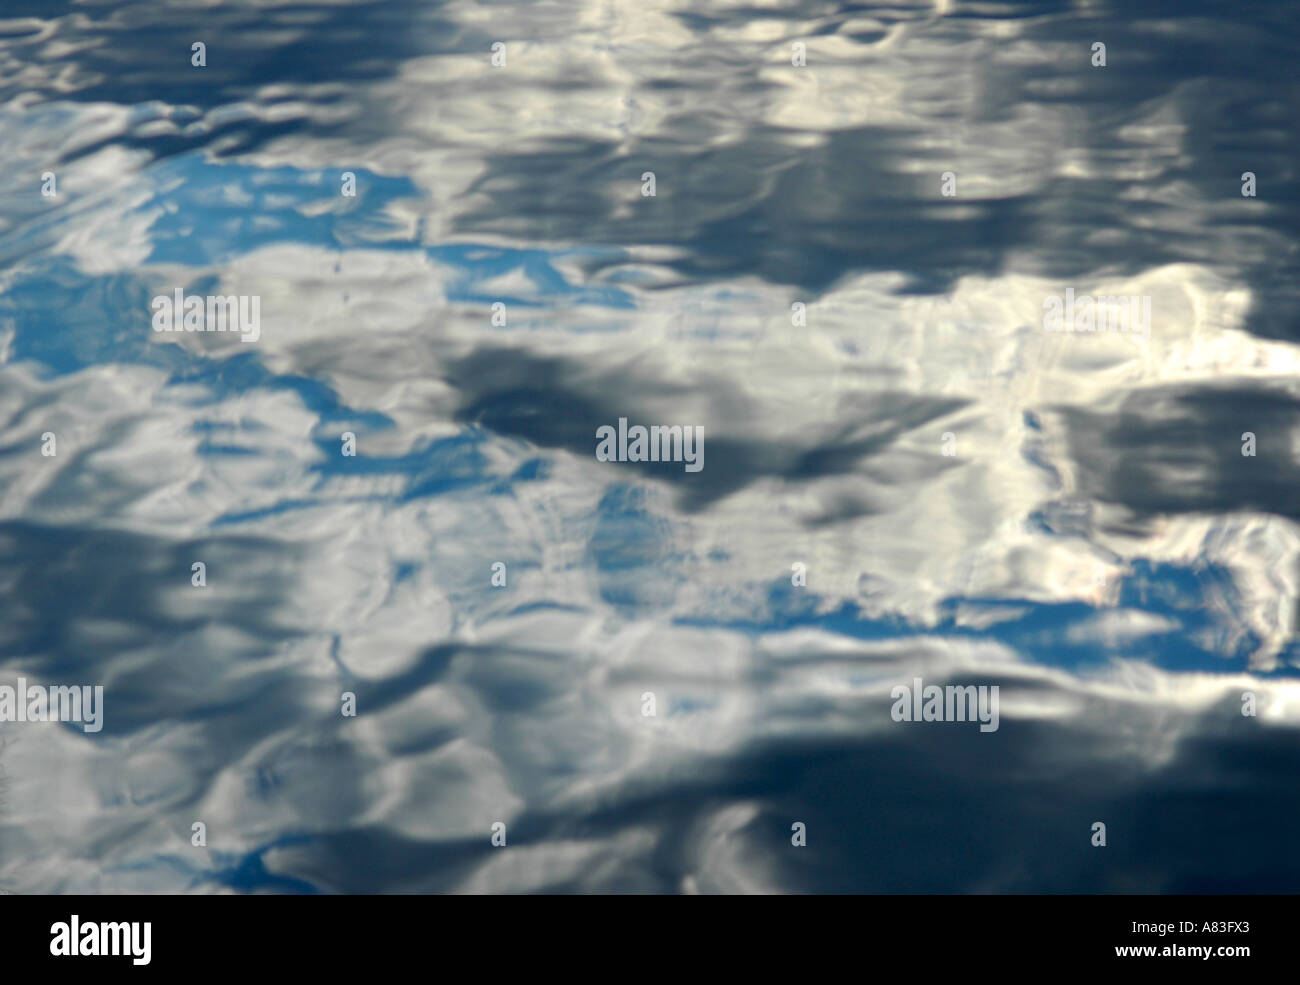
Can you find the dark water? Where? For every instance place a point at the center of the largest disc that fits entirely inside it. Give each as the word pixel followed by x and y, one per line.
pixel 974 499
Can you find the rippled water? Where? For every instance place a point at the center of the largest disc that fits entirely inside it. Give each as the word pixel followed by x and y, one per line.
pixel 973 499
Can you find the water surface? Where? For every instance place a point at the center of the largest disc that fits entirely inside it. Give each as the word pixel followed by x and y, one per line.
pixel 973 499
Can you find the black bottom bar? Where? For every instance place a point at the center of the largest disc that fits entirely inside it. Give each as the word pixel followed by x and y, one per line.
pixel 946 934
